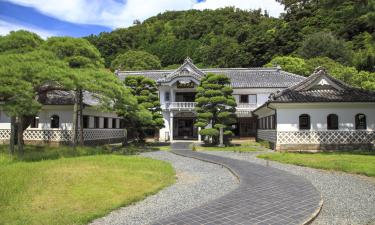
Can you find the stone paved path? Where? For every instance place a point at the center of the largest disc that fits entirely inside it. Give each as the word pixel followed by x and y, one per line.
pixel 265 196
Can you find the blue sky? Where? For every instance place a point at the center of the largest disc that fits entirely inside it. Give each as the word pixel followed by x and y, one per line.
pixel 79 18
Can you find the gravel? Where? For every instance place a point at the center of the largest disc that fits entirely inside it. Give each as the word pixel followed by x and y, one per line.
pixel 198 182
pixel 348 199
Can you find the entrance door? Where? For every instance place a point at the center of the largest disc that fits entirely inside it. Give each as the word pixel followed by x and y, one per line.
pixel 184 128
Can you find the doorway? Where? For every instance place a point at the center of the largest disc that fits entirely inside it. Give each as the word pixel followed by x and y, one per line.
pixel 184 129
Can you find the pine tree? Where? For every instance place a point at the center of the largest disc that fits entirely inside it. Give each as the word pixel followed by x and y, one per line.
pixel 215 107
pixel 149 117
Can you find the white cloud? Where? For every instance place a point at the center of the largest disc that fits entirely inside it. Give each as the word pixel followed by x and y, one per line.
pixel 6 27
pixel 113 13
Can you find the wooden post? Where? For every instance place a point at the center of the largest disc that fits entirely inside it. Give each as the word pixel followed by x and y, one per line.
pixel 12 134
pixel 81 137
pixel 20 136
pixel 75 120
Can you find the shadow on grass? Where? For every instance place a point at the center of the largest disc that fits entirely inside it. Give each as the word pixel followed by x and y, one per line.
pixel 33 153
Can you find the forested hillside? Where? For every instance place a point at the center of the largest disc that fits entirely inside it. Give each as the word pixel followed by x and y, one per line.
pixel 340 34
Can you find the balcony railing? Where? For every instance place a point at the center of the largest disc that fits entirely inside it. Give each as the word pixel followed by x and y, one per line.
pixel 180 105
pixel 244 106
pixel 191 106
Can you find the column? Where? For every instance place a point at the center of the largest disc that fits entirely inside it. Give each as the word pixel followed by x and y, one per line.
pixel 173 96
pixel 171 126
pixel 199 136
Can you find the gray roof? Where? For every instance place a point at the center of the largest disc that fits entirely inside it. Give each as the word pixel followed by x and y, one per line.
pixel 313 89
pixel 240 77
pixel 61 97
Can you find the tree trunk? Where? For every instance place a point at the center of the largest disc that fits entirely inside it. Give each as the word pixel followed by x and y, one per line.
pixel 81 137
pixel 125 140
pixel 75 120
pixel 12 138
pixel 20 136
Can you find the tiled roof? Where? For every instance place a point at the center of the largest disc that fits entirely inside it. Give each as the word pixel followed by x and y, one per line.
pixel 240 77
pixel 334 91
pixel 60 97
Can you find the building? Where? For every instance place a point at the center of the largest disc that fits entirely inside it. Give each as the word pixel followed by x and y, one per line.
pixel 54 124
pixel 319 113
pixel 290 111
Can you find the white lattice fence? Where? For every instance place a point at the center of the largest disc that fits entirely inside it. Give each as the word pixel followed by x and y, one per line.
pixel 4 134
pixel 48 135
pixel 326 137
pixel 268 135
pixel 64 135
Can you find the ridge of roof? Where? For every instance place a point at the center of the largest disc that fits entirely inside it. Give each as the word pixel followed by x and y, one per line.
pixel 208 69
pixel 300 93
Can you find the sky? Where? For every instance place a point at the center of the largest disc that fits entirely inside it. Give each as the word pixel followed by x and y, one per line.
pixel 80 18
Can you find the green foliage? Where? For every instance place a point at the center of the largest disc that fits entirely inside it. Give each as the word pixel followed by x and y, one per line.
pixel 148 116
pixel 78 52
pixel 19 42
pixel 210 132
pixel 135 60
pixel 291 64
pixel 348 74
pixel 323 44
pixel 212 99
pixel 24 75
pixel 340 30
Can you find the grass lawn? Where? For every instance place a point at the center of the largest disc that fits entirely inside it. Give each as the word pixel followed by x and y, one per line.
pixel 250 146
pixel 74 190
pixel 357 163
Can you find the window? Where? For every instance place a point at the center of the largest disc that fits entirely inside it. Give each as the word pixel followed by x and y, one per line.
pixel 86 120
pixel 167 96
pixel 244 99
pixel 304 122
pixel 55 121
pixel 34 122
pixel 332 122
pixel 114 123
pixel 96 122
pixel 105 123
pixel 360 121
pixel 253 99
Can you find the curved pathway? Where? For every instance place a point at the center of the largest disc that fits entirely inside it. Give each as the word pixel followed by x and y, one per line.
pixel 265 196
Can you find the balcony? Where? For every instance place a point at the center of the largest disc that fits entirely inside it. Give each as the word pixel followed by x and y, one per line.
pixel 179 106
pixel 246 106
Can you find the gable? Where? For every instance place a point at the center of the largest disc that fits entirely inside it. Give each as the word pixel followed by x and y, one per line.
pixel 323 83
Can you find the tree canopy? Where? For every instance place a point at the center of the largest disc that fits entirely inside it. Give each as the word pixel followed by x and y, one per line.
pixel 342 31
pixel 26 73
pixel 135 60
pixel 149 116
pixel 215 106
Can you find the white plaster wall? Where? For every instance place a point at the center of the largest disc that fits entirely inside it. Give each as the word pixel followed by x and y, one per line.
pixel 162 131
pixel 262 98
pixel 262 93
pixel 288 118
pixel 66 117
pixel 4 120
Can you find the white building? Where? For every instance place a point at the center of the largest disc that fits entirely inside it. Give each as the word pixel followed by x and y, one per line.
pixel 53 125
pixel 290 111
pixel 286 109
